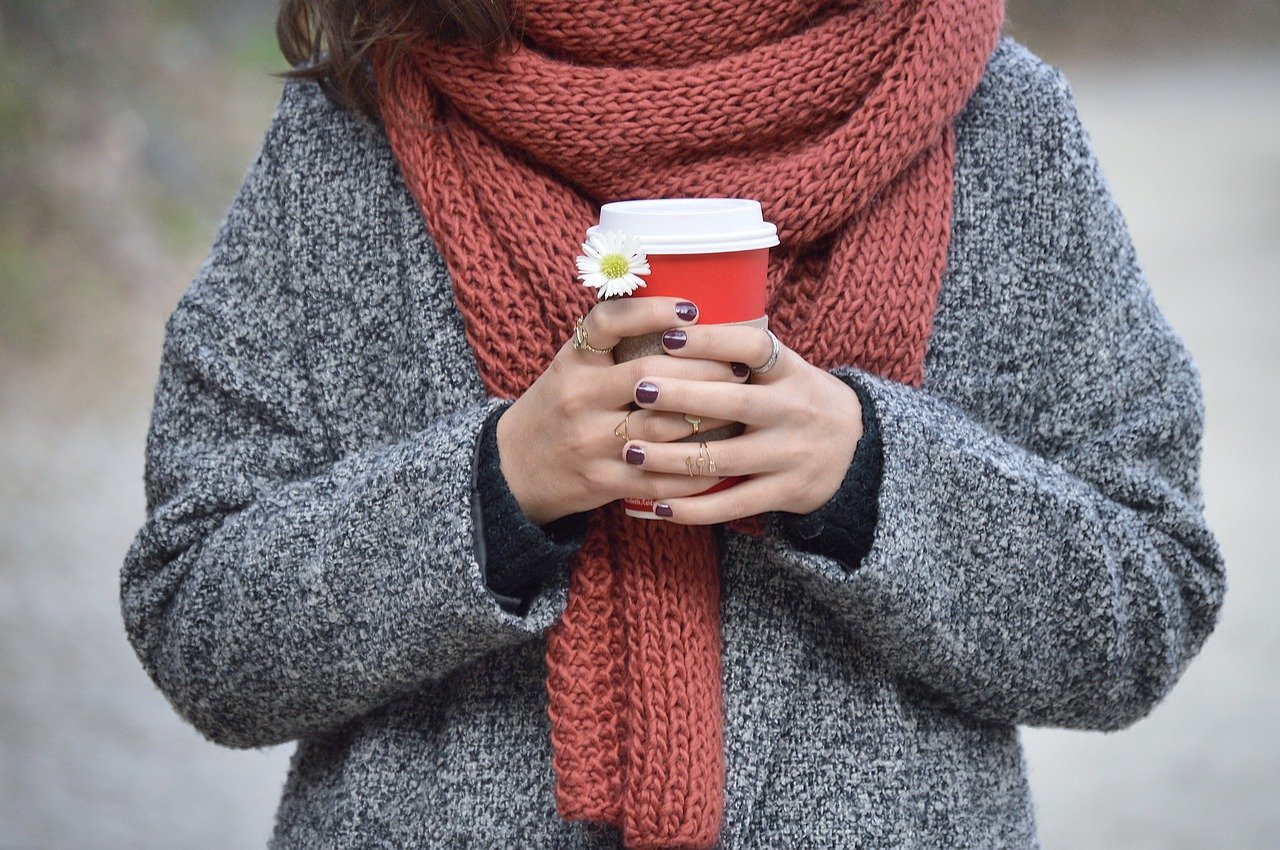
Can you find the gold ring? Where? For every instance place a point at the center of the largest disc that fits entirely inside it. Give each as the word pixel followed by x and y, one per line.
pixel 580 337
pixel 623 426
pixel 695 421
pixel 705 464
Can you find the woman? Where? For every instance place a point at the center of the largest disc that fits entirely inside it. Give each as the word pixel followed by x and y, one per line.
pixel 383 470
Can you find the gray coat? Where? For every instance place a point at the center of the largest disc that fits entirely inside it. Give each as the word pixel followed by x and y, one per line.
pixel 308 569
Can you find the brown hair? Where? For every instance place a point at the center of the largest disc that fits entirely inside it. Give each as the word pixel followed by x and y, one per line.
pixel 328 40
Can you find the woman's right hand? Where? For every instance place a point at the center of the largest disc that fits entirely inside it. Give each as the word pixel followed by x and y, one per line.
pixel 556 442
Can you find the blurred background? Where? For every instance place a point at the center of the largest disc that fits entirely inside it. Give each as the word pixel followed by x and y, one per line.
pixel 125 130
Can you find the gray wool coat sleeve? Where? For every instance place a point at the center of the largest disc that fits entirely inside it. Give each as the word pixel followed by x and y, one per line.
pixel 1043 559
pixel 842 527
pixel 280 587
pixel 518 555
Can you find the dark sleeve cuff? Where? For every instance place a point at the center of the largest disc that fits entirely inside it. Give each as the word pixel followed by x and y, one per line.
pixel 519 555
pixel 844 527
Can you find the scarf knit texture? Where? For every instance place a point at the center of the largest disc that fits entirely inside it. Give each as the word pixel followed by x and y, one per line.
pixel 837 117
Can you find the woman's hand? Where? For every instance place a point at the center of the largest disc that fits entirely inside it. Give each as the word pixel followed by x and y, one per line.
pixel 802 427
pixel 556 443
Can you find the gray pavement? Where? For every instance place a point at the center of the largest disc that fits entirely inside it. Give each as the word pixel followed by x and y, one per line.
pixel 91 755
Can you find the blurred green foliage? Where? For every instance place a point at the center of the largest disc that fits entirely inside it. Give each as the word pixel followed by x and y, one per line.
pixel 126 127
pixel 1144 27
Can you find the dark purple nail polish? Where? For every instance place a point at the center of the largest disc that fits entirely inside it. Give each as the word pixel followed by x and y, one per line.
pixel 663 509
pixel 740 369
pixel 674 338
pixel 635 455
pixel 687 311
pixel 646 393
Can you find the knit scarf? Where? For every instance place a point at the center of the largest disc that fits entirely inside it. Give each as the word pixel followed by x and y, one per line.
pixel 837 116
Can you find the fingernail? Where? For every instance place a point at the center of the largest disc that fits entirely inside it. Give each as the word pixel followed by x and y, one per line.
pixel 687 310
pixel 646 393
pixel 635 455
pixel 663 509
pixel 674 338
pixel 740 369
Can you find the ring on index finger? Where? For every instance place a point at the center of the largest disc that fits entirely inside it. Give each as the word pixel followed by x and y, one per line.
pixel 580 337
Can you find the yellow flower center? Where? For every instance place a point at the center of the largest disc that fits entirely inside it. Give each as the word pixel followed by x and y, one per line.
pixel 614 265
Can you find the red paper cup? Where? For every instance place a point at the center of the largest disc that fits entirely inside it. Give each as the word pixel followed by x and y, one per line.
pixel 711 251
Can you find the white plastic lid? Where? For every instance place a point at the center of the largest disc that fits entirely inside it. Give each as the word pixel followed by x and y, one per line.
pixel 690 225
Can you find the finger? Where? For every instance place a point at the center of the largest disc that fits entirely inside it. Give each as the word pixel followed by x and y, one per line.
pixel 632 483
pixel 731 343
pixel 614 318
pixel 660 426
pixel 617 385
pixel 746 498
pixel 749 454
pixel 747 403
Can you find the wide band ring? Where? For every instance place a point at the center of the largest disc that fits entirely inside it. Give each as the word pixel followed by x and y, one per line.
pixel 580 337
pixel 773 355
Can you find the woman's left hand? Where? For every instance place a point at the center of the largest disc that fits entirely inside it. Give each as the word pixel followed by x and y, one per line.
pixel 802 427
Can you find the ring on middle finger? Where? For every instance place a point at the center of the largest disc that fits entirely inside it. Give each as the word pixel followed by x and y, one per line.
pixel 695 421
pixel 689 465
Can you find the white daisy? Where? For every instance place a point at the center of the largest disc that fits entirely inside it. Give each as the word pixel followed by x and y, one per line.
pixel 612 263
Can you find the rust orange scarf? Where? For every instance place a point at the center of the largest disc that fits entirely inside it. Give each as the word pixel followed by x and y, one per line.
pixel 837 117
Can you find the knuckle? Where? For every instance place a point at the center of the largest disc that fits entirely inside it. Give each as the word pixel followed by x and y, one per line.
pixel 633 371
pixel 792 406
pixel 643 485
pixel 661 313
pixel 577 442
pixel 726 461
pixel 792 455
pixel 660 363
pixel 602 319
pixel 693 485
pixel 795 491
pixel 569 399
pixel 739 406
pixel 700 369
pixel 735 506
pixel 557 366
pixel 647 366
pixel 594 478
pixel 649 427
pixel 655 487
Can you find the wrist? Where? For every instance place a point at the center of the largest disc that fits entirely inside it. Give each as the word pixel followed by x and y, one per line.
pixel 510 457
pixel 848 420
